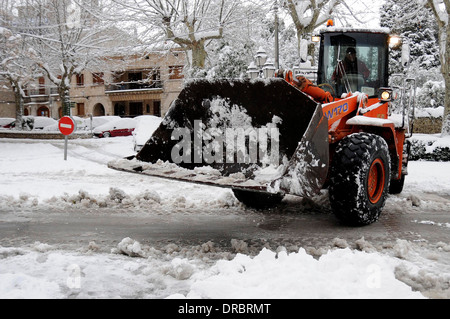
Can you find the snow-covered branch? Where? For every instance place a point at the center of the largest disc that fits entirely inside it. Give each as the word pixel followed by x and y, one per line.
pixel 441 10
pixel 188 24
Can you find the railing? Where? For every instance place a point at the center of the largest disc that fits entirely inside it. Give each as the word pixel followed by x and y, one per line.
pixel 139 85
pixel 113 87
pixel 406 100
pixel 37 92
pixel 42 92
pixel 308 72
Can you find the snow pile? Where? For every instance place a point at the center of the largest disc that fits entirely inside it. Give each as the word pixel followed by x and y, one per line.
pixel 337 274
pixel 145 201
pixel 437 112
pixel 45 272
pixel 129 247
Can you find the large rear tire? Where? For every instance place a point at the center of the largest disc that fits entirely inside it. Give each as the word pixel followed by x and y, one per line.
pixel 258 200
pixel 359 179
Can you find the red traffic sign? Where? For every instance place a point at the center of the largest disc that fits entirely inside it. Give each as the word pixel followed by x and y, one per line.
pixel 67 125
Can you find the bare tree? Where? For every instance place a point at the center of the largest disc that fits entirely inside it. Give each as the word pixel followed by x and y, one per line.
pixel 16 65
pixel 307 15
pixel 66 37
pixel 189 24
pixel 441 10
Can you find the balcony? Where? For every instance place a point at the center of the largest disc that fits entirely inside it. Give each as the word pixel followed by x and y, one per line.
pixel 41 93
pixel 134 86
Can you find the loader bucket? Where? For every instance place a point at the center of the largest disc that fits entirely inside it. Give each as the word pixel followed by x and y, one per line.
pixel 262 135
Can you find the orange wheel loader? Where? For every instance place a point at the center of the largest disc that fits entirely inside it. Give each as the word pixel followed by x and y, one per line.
pixel 268 138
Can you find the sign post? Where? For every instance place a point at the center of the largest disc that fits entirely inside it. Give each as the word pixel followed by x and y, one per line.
pixel 66 126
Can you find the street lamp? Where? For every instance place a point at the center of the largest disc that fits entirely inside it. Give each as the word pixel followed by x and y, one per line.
pixel 253 71
pixel 261 57
pixel 262 67
pixel 269 69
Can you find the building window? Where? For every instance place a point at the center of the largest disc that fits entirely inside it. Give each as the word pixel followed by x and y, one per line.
pixel 157 108
pixel 136 109
pixel 135 79
pixel 98 78
pixel 119 109
pixel 41 86
pixel 176 72
pixel 43 111
pixel 80 79
pixel 80 109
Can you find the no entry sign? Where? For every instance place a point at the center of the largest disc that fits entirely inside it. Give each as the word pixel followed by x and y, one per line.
pixel 67 125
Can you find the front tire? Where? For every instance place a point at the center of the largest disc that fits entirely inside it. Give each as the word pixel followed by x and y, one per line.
pixel 359 179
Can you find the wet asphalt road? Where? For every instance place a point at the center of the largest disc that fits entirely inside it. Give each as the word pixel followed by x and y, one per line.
pixel 295 224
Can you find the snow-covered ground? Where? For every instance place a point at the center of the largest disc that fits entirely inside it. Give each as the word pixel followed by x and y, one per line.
pixel 34 177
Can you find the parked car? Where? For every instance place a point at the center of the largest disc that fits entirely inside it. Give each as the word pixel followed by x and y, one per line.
pixel 84 124
pixel 98 120
pixel 7 122
pixel 147 125
pixel 55 127
pixel 121 127
pixel 40 122
pixel 29 122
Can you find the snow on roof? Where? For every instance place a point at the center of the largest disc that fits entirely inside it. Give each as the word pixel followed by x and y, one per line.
pixel 340 29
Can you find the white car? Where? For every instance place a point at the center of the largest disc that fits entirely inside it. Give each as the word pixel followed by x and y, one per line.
pixel 40 122
pixel 84 124
pixel 30 122
pixel 55 127
pixel 147 125
pixel 121 127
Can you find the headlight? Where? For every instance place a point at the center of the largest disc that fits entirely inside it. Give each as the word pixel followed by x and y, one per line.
pixel 386 95
pixel 315 38
pixel 395 41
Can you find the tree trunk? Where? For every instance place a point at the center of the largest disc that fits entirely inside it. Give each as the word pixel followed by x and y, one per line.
pixel 19 108
pixel 198 55
pixel 303 31
pixel 446 74
pixel 446 122
pixel 444 42
pixel 63 93
pixel 299 40
pixel 312 53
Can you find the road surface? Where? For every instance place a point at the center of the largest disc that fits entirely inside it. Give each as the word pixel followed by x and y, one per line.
pixel 296 223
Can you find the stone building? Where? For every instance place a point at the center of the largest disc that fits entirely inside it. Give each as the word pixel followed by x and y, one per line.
pixel 143 86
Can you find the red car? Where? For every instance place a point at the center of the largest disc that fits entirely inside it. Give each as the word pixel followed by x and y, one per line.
pixel 121 127
pixel 7 122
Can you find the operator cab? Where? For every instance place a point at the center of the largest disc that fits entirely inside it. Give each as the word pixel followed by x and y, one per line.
pixel 352 60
